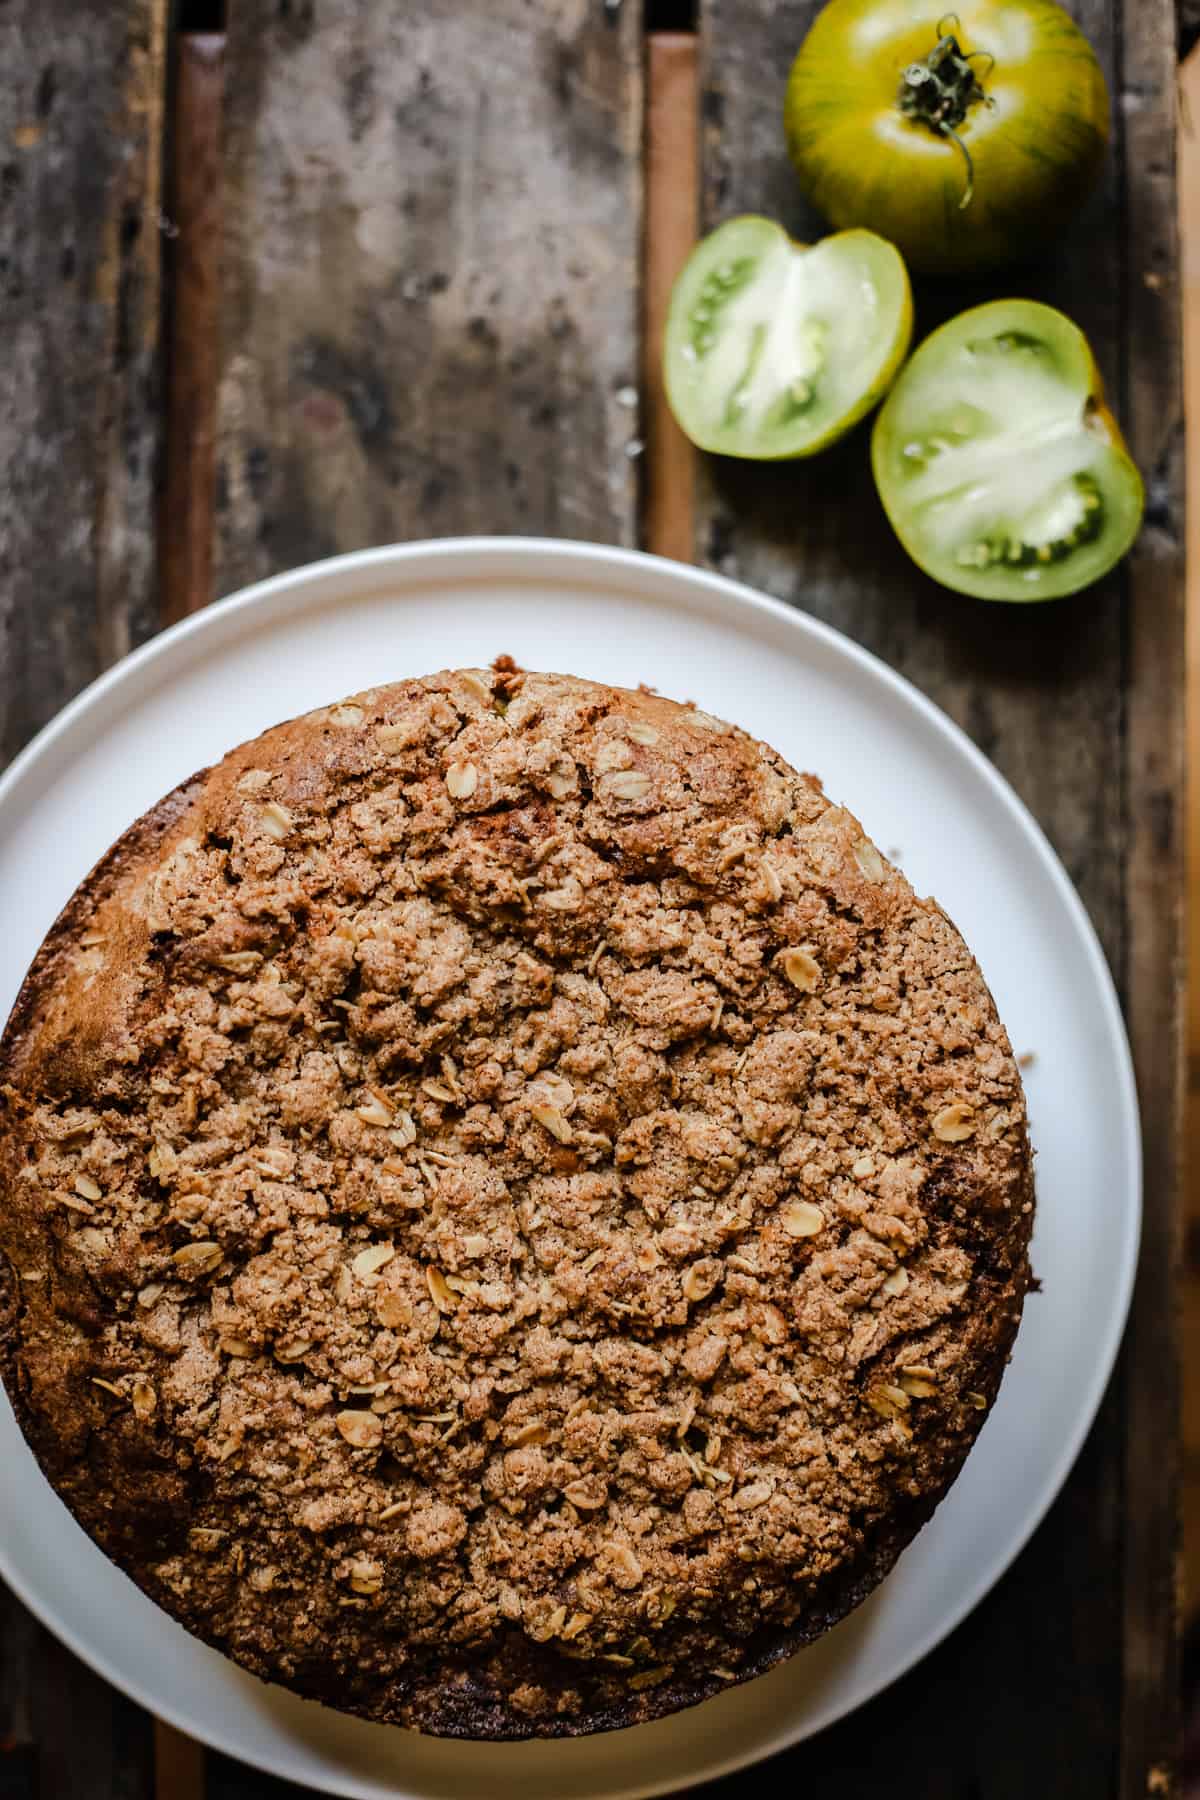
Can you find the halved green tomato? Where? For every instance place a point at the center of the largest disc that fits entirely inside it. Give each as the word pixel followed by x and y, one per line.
pixel 774 349
pixel 1000 467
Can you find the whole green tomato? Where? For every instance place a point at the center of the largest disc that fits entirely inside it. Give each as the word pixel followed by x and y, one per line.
pixel 968 138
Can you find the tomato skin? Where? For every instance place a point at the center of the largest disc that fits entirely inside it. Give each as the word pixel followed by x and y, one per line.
pixel 1037 150
pixel 933 377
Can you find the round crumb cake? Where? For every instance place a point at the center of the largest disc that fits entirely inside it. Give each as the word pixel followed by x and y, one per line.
pixel 514 1210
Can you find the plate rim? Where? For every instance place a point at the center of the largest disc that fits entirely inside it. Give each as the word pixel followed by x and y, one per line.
pixel 683 581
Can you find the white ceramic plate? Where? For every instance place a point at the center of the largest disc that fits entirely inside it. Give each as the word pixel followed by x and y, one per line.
pixel 927 797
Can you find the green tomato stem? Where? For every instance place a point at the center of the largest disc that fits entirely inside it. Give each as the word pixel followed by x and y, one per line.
pixel 940 91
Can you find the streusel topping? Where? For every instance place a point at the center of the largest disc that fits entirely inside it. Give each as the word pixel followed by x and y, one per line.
pixel 511 1197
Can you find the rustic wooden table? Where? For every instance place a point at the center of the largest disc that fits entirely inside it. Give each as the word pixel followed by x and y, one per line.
pixel 403 289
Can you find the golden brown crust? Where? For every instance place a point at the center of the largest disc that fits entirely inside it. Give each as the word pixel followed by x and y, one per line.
pixel 515 1211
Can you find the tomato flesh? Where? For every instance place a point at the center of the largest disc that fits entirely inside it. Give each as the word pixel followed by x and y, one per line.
pixel 1000 468
pixel 968 136
pixel 774 349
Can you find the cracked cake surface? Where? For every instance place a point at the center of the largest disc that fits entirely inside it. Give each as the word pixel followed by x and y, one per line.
pixel 514 1211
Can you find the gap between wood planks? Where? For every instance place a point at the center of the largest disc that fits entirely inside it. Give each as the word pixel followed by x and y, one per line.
pixel 672 203
pixel 185 533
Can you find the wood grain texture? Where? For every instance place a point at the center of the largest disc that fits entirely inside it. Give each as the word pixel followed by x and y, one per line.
pixel 179 1765
pixel 81 112
pixel 672 183
pixel 1077 705
pixel 64 1733
pixel 92 1743
pixel 430 292
pixel 18 1752
pixel 80 198
pixel 195 212
pixel 1151 378
pixel 1189 214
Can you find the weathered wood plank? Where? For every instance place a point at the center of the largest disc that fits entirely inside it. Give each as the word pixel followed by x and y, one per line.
pixel 81 107
pixel 18 1754
pixel 430 289
pixel 91 1744
pixel 180 1765
pixel 672 184
pixel 80 198
pixel 1079 704
pixel 1155 749
pixel 189 487
pixel 1189 209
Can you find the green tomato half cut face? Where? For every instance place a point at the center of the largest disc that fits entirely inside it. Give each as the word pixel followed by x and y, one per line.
pixel 1003 473
pixel 774 349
